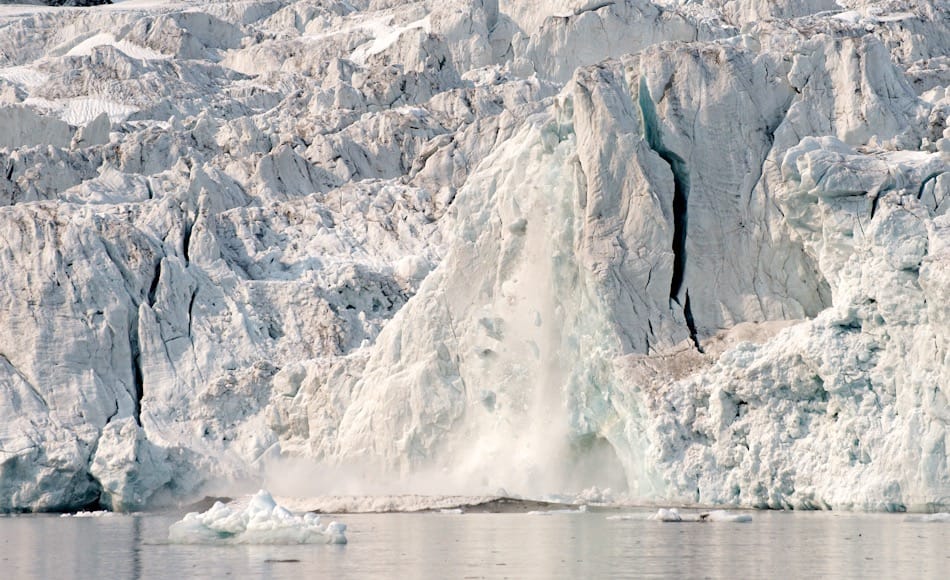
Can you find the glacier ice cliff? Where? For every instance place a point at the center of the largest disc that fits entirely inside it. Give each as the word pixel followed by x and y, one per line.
pixel 694 251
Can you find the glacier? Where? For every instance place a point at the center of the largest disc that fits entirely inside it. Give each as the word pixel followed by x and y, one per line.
pixel 690 251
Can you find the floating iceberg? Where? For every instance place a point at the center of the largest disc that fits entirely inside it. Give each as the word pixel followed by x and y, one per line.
pixel 667 515
pixel 94 514
pixel 724 516
pixel 261 522
pixel 673 515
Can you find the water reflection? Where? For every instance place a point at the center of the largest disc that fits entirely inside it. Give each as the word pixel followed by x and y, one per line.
pixel 136 548
pixel 492 546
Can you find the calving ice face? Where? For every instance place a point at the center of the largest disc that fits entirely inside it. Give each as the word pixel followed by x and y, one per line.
pixel 689 253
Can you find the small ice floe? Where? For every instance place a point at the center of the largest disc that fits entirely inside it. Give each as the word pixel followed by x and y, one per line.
pixel 451 511
pixel 667 515
pixel 580 510
pixel 724 516
pixel 673 515
pixel 625 517
pixel 95 514
pixel 261 522
pixel 941 517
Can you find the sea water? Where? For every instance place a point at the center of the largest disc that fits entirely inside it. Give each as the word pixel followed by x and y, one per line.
pixel 591 544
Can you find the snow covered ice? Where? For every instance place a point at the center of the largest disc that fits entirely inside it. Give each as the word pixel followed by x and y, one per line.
pixel 667 515
pixel 674 515
pixel 693 252
pixel 261 522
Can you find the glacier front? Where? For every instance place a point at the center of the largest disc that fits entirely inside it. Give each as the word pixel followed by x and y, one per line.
pixel 688 251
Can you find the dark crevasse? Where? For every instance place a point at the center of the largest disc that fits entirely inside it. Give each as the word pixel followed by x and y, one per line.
pixel 137 376
pixel 138 380
pixel 651 132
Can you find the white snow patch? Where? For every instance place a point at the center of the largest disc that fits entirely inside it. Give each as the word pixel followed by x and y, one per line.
pixel 380 25
pixel 82 110
pixel 142 5
pixel 24 75
pixel 23 9
pixel 907 157
pixel 893 17
pixel 386 36
pixel 849 16
pixel 872 15
pixel 117 5
pixel 130 49
pixel 263 521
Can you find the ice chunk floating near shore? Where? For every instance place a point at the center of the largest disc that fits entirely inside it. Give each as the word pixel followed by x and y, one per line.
pixel 261 522
pixel 673 515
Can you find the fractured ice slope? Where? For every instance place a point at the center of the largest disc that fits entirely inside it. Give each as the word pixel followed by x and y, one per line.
pixel 852 400
pixel 690 250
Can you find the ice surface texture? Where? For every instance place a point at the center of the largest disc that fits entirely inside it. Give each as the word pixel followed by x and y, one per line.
pixel 520 245
pixel 261 522
pixel 674 515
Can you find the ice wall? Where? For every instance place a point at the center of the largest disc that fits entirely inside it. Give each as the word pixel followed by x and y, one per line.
pixel 683 250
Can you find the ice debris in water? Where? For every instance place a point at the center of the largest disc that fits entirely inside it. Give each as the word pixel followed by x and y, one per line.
pixel 95 514
pixel 261 522
pixel 941 517
pixel 580 510
pixel 587 496
pixel 667 515
pixel 724 516
pixel 673 515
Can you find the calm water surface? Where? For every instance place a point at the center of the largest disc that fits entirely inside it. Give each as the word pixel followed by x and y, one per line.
pixel 423 546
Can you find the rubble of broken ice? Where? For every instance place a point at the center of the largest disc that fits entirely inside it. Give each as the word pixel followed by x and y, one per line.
pixel 263 521
pixel 694 250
